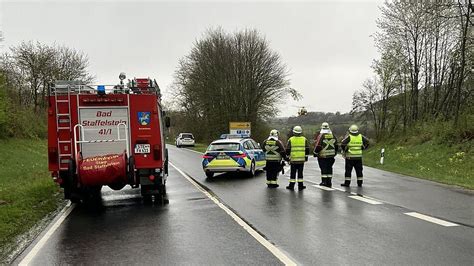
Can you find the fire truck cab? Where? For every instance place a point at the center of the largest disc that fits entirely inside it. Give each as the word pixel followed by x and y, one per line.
pixel 107 135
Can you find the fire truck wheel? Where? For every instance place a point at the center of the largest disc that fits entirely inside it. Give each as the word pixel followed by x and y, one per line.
pixel 69 180
pixel 166 162
pixel 131 171
pixel 91 195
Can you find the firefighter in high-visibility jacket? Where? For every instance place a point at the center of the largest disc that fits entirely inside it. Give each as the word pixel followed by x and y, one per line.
pixel 325 149
pixel 298 151
pixel 352 146
pixel 274 154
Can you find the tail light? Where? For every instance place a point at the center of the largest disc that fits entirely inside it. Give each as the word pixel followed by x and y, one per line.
pixel 156 152
pixel 205 156
pixel 52 155
pixel 240 155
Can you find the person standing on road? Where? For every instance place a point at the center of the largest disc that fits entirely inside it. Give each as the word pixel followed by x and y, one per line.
pixel 325 149
pixel 352 146
pixel 298 149
pixel 274 153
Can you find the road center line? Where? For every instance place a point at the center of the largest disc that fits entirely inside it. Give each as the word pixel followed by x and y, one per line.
pixel 430 219
pixel 272 248
pixel 32 254
pixel 367 200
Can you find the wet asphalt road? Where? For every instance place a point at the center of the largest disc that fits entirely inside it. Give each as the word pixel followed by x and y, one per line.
pixel 312 227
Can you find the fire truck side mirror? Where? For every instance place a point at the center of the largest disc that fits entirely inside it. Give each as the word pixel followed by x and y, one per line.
pixel 167 121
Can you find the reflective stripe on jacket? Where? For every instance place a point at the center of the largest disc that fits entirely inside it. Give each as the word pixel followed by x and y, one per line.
pixel 355 146
pixel 328 144
pixel 298 149
pixel 272 152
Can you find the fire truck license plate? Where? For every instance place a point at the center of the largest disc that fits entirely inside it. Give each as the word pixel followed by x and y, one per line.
pixel 142 148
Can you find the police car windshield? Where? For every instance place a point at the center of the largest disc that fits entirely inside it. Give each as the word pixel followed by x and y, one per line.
pixel 224 147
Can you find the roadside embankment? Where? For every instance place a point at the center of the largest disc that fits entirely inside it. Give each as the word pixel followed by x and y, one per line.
pixel 448 164
pixel 27 193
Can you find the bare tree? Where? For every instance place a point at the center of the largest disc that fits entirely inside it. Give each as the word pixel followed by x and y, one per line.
pixel 29 68
pixel 231 77
pixel 425 48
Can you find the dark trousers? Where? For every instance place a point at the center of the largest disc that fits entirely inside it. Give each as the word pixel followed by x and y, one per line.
pixel 296 168
pixel 272 169
pixel 325 164
pixel 357 165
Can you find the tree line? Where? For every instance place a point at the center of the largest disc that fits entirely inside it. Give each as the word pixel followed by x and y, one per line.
pixel 26 71
pixel 424 72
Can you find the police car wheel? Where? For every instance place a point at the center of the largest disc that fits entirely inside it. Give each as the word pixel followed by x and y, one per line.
pixel 252 169
pixel 209 174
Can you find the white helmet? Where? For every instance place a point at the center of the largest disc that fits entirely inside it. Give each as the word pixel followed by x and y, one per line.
pixel 354 129
pixel 297 130
pixel 274 133
pixel 325 125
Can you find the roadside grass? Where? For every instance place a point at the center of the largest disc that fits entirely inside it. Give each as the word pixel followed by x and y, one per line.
pixel 452 165
pixel 27 192
pixel 199 147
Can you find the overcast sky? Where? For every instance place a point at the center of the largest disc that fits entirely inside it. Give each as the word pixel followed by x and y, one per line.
pixel 325 44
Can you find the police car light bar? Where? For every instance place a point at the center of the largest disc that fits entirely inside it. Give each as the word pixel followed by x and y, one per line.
pixel 234 136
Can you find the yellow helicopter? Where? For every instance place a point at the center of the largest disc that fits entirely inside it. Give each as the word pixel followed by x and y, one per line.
pixel 301 110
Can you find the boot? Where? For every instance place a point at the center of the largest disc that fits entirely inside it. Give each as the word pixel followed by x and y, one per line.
pixel 329 182
pixel 323 182
pixel 301 186
pixel 291 186
pixel 346 183
pixel 359 183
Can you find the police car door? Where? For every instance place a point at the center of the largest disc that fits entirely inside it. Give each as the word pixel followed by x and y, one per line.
pixel 249 149
pixel 259 154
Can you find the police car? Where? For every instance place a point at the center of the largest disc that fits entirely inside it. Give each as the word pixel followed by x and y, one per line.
pixel 233 154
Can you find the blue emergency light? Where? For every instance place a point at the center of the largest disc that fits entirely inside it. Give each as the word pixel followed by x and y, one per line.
pixel 101 89
pixel 234 136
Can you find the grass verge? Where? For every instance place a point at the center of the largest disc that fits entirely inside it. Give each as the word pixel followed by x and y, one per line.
pixel 27 193
pixel 199 147
pixel 452 165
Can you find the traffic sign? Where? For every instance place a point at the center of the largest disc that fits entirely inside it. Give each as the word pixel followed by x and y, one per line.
pixel 240 128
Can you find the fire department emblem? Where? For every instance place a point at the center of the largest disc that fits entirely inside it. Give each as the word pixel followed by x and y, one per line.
pixel 144 118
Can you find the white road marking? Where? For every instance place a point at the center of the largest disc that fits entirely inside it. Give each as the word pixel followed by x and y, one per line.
pixel 340 189
pixel 34 251
pixel 430 219
pixel 272 248
pixel 323 188
pixel 365 199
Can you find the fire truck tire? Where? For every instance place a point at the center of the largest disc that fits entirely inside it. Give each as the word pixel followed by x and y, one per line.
pixel 91 195
pixel 166 162
pixel 147 199
pixel 131 171
pixel 69 179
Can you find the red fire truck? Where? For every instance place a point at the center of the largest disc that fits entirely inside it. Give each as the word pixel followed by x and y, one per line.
pixel 101 135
